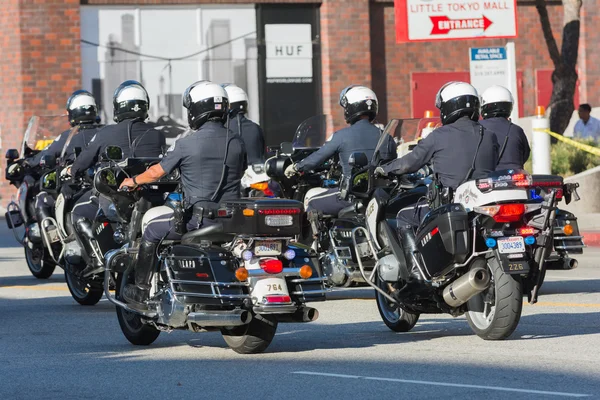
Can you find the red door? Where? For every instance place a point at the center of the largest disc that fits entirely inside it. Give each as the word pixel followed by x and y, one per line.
pixel 543 84
pixel 425 86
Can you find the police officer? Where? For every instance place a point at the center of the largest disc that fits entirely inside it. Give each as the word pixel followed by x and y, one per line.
pixel 496 107
pixel 251 133
pixel 453 149
pixel 135 137
pixel 360 109
pixel 83 116
pixel 211 160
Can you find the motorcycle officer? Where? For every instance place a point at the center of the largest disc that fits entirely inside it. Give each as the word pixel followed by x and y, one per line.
pixel 135 137
pixel 360 109
pixel 496 107
pixel 211 160
pixel 251 133
pixel 83 116
pixel 459 150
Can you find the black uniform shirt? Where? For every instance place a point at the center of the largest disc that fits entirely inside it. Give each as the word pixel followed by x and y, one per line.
pixel 253 138
pixel 517 150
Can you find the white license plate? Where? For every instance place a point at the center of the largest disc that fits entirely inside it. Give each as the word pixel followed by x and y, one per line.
pixel 514 244
pixel 267 248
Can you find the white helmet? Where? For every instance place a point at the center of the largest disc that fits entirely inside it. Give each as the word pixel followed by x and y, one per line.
pixel 496 101
pixel 205 101
pixel 130 101
pixel 238 99
pixel 358 101
pixel 456 100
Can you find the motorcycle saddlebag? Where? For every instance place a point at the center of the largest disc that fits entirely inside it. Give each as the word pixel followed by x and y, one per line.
pixel 210 268
pixel 263 217
pixel 443 238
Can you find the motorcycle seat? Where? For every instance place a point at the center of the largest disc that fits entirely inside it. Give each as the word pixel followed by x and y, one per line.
pixel 212 232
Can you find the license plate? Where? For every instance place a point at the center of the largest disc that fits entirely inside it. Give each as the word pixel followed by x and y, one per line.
pixel 267 248
pixel 514 244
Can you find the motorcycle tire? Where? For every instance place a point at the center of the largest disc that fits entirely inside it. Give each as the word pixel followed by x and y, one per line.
pixel 81 291
pixel 38 264
pixel 251 338
pixel 135 330
pixel 394 318
pixel 495 313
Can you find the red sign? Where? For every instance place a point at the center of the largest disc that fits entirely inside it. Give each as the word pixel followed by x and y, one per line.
pixel 443 25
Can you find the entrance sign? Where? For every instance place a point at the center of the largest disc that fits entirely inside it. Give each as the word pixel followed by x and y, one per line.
pixel 429 20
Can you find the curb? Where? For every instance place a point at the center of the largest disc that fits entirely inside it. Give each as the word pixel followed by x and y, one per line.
pixel 591 238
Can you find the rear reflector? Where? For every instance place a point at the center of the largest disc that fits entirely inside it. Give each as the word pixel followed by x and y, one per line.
pixel 277 299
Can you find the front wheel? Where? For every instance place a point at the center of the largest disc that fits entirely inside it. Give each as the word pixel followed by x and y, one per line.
pixel 495 313
pixel 83 293
pixel 251 338
pixel 393 316
pixel 38 262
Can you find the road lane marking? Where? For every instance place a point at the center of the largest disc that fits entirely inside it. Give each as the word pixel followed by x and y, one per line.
pixel 40 287
pixel 456 385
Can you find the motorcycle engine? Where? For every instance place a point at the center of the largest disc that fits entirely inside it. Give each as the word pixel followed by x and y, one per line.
pixel 170 311
pixel 389 268
pixel 334 269
pixel 33 233
pixel 73 254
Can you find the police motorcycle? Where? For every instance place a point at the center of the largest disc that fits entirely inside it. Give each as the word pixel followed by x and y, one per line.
pixel 332 241
pixel 255 182
pixel 242 274
pixel 475 251
pixel 25 176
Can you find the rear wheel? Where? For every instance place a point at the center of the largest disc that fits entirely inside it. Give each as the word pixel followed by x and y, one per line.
pixel 132 326
pixel 81 290
pixel 495 313
pixel 38 262
pixel 251 338
pixel 393 316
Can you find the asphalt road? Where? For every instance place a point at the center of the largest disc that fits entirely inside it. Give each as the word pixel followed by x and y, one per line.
pixel 51 347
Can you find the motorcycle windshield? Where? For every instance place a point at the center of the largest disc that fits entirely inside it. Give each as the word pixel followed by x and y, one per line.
pixel 311 133
pixel 73 132
pixel 407 130
pixel 42 130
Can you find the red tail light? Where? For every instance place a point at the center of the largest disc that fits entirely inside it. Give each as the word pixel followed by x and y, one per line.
pixel 271 266
pixel 509 213
pixel 270 299
pixel 280 211
pixel 526 231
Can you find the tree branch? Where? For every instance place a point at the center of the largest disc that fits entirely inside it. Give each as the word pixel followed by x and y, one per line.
pixel 547 29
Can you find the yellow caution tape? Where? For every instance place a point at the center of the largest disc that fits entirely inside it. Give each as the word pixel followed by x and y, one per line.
pixel 585 147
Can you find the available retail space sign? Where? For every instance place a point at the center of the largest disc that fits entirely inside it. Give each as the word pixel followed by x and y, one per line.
pixel 429 20
pixel 289 57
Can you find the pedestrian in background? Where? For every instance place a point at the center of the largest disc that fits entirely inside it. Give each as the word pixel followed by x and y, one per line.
pixel 587 127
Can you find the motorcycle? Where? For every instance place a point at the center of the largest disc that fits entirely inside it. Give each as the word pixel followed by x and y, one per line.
pixel 242 274
pixel 475 251
pixel 331 233
pixel 25 175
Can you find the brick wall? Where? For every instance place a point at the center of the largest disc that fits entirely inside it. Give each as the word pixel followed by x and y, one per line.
pixel 589 54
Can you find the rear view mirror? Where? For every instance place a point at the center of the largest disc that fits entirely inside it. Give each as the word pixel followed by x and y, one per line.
pixel 358 160
pixel 49 181
pixel 12 154
pixel 114 153
pixel 286 148
pixel 48 161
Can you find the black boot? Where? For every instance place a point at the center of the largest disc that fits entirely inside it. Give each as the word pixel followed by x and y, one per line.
pixel 83 227
pixel 409 245
pixel 136 294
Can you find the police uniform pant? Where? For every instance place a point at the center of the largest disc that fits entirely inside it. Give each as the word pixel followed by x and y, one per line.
pixel 44 200
pixel 162 227
pixel 85 207
pixel 324 200
pixel 412 216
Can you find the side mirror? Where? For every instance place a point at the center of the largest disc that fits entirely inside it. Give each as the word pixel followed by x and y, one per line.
pixel 12 154
pixel 114 153
pixel 48 161
pixel 48 181
pixel 286 148
pixel 77 151
pixel 358 160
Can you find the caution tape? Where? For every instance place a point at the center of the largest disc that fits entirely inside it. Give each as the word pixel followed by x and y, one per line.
pixel 585 147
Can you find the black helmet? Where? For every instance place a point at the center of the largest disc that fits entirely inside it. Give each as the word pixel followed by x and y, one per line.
pixel 358 101
pixel 455 100
pixel 238 99
pixel 81 108
pixel 496 101
pixel 205 101
pixel 130 101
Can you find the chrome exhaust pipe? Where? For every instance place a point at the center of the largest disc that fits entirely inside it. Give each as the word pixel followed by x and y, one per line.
pixel 462 289
pixel 304 314
pixel 571 263
pixel 219 318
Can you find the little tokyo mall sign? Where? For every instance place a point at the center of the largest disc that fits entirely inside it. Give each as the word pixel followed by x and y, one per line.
pixel 427 20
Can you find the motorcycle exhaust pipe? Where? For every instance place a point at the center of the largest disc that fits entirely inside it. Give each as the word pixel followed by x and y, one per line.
pixel 220 318
pixel 571 263
pixel 462 289
pixel 305 314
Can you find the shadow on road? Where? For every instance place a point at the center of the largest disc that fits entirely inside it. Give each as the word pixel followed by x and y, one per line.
pixel 571 286
pixel 30 280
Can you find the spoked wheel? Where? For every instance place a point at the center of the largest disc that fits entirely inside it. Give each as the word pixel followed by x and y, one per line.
pixel 251 338
pixel 495 313
pixel 37 262
pixel 81 290
pixel 132 326
pixel 393 316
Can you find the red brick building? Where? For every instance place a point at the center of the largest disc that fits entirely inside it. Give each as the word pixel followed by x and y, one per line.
pixel 41 57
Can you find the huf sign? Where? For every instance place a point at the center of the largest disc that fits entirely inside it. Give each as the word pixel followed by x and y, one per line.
pixel 429 20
